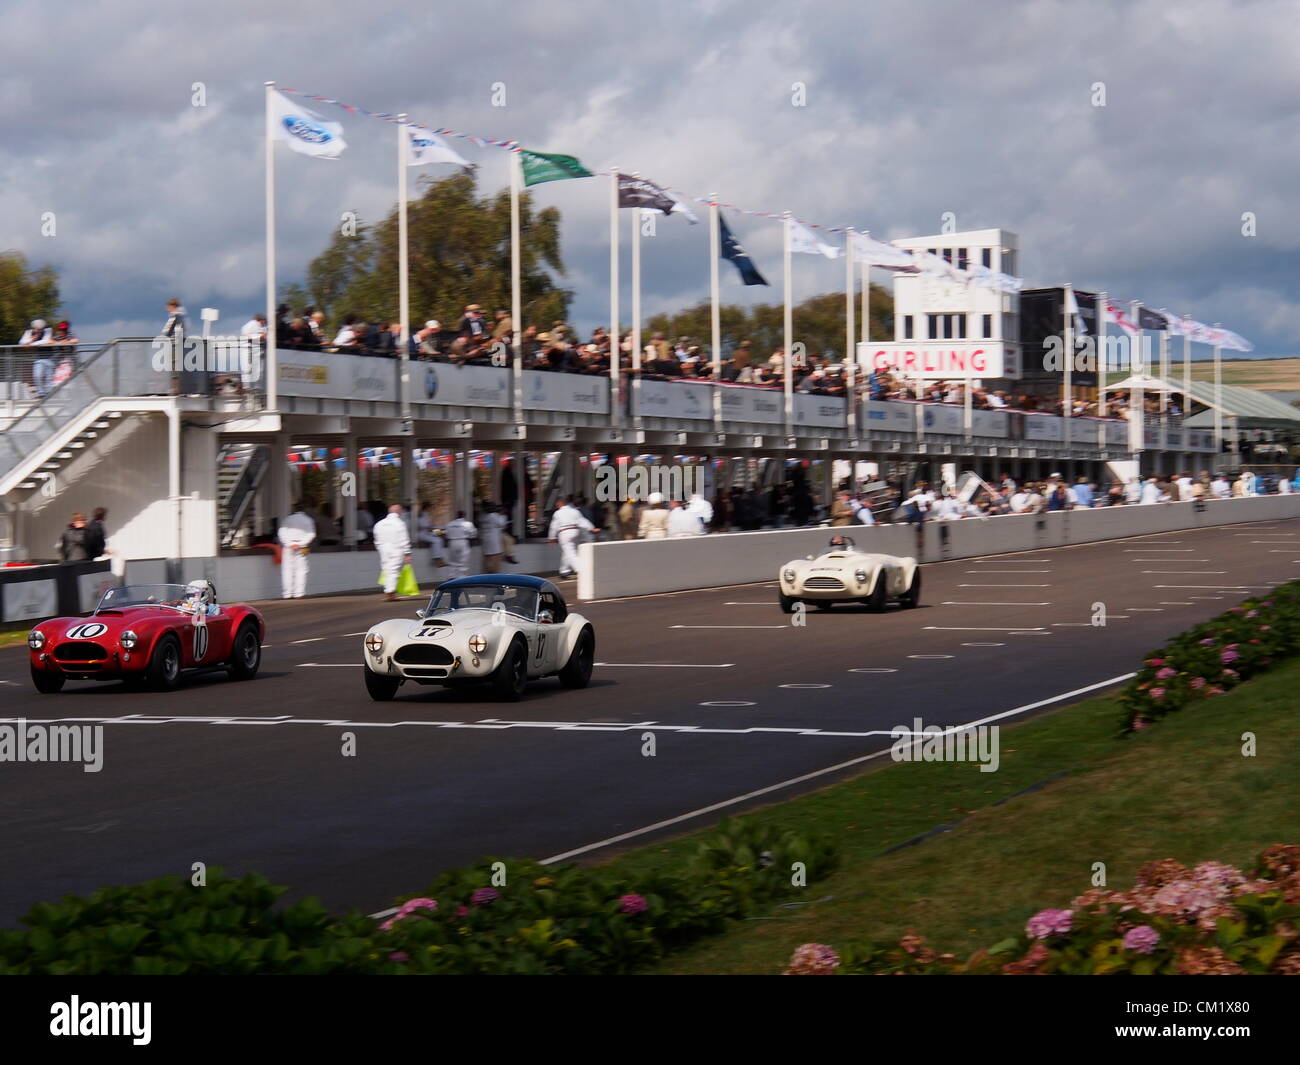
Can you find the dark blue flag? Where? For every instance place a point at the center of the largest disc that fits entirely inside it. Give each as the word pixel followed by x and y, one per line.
pixel 733 252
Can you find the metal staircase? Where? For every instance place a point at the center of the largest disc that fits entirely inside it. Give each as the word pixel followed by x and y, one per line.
pixel 241 471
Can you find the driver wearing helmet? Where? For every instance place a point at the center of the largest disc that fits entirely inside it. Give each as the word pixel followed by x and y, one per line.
pixel 201 598
pixel 839 543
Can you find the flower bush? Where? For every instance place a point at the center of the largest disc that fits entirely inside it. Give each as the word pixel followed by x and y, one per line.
pixel 1215 656
pixel 1210 920
pixel 510 917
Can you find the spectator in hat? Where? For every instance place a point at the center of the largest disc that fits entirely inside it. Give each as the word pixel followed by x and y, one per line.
pixel 472 323
pixel 39 335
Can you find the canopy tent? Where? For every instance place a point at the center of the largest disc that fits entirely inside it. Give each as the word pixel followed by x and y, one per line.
pixel 1250 408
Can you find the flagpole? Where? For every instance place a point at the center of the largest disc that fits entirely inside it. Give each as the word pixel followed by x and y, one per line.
pixel 636 305
pixel 1218 404
pixel 1186 405
pixel 272 372
pixel 715 318
pixel 1100 317
pixel 1164 370
pixel 1136 393
pixel 517 300
pixel 1067 407
pixel 787 386
pixel 850 351
pixel 403 278
pixel 615 347
pixel 865 334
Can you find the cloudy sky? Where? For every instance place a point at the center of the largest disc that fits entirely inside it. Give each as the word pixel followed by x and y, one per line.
pixel 987 111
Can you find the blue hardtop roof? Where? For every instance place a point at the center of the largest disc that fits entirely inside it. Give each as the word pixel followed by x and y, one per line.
pixel 505 580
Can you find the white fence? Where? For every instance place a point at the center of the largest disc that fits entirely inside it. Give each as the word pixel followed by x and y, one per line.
pixel 643 567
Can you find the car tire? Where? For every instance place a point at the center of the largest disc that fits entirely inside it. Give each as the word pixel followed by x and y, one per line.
pixel 48 683
pixel 511 677
pixel 245 653
pixel 879 594
pixel 164 670
pixel 380 686
pixel 912 597
pixel 788 603
pixel 577 670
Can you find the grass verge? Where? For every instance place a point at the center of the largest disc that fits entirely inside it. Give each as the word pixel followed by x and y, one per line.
pixel 1181 790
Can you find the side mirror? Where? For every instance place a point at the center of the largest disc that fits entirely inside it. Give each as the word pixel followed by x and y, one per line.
pixel 545 617
pixel 420 613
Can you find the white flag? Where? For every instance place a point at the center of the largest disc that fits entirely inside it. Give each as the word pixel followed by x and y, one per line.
pixel 1230 340
pixel 1119 316
pixel 424 147
pixel 680 208
pixel 936 266
pixel 803 240
pixel 1072 308
pixel 866 249
pixel 303 130
pixel 982 276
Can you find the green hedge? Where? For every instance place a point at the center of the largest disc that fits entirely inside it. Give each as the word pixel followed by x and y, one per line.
pixel 1211 920
pixel 536 919
pixel 1215 656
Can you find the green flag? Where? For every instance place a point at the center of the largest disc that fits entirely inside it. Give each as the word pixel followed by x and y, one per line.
pixel 539 167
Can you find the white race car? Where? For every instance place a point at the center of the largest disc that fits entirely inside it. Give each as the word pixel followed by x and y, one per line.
pixel 502 630
pixel 846 575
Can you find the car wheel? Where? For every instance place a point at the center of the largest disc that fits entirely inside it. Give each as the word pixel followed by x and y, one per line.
pixel 577 670
pixel 48 683
pixel 787 603
pixel 381 687
pixel 511 676
pixel 912 597
pixel 165 664
pixel 876 600
pixel 246 654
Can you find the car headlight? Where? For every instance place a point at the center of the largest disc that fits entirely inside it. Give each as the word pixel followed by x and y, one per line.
pixel 860 575
pixel 789 575
pixel 36 640
pixel 478 643
pixel 129 640
pixel 374 643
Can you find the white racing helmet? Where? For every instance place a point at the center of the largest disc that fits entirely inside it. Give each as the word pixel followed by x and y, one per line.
pixel 202 591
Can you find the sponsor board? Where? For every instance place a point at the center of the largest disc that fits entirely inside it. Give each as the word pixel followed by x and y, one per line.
pixel 824 411
pixel 679 400
pixel 24 600
pixel 944 360
pixel 468 386
pixel 580 393
pixel 336 376
pixel 1043 426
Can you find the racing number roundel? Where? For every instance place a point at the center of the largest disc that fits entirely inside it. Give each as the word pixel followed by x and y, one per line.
pixel 200 642
pixel 88 631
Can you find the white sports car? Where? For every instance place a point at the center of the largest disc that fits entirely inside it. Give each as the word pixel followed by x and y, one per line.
pixel 846 575
pixel 502 630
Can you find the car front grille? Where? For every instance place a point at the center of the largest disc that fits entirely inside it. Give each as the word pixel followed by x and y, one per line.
pixel 422 654
pixel 80 651
pixel 824 584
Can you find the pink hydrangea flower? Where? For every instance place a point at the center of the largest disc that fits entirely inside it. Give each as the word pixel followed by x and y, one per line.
pixel 813 959
pixel 1197 683
pixel 1155 661
pixel 482 896
pixel 1228 656
pixel 1047 923
pixel 632 904
pixel 399 955
pixel 1141 723
pixel 1157 694
pixel 1207 642
pixel 1166 673
pixel 1142 939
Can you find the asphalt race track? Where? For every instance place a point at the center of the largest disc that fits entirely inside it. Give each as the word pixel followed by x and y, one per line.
pixel 251 776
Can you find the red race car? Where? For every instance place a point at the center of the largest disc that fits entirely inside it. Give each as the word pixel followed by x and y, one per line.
pixel 147 634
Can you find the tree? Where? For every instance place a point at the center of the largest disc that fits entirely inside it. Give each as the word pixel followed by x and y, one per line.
pixel 25 293
pixel 818 323
pixel 459 248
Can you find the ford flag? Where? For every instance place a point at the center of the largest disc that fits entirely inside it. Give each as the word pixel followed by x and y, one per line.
pixel 303 130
